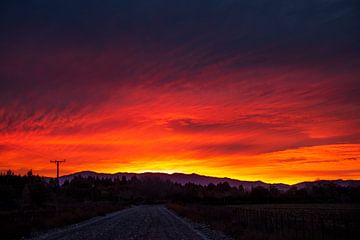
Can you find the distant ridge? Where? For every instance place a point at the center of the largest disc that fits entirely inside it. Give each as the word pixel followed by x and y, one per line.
pixel 183 178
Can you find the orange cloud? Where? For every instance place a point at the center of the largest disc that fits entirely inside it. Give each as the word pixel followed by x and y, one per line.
pixel 209 93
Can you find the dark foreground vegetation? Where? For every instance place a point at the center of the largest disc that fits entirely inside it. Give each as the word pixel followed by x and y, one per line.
pixel 278 221
pixel 32 203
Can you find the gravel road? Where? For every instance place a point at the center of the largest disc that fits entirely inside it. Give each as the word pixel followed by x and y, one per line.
pixel 140 222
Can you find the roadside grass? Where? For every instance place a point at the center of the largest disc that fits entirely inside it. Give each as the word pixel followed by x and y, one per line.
pixel 277 221
pixel 18 224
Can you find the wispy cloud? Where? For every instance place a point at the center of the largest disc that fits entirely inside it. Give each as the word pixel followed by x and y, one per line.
pixel 162 84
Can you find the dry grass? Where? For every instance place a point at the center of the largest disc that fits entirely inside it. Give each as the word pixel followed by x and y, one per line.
pixel 17 224
pixel 277 222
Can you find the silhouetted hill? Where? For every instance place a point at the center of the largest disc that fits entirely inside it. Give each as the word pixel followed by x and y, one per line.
pixel 205 180
pixel 321 183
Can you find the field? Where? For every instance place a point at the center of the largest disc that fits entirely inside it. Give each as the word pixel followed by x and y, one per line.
pixel 16 224
pixel 278 221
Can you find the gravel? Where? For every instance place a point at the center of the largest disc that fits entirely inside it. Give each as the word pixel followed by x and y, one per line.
pixel 135 223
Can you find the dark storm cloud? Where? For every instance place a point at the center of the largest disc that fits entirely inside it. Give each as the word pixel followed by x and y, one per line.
pixel 207 31
pixel 250 123
pixel 310 142
pixel 246 146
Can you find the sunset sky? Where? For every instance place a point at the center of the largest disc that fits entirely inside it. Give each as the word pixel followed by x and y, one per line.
pixel 254 90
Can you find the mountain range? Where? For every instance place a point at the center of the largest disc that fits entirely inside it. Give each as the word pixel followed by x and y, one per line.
pixel 183 178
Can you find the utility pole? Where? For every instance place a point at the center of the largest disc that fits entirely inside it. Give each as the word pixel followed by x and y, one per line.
pixel 57 162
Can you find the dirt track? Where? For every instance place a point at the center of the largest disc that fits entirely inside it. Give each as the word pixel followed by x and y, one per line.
pixel 141 222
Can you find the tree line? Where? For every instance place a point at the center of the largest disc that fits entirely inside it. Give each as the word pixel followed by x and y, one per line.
pixel 27 191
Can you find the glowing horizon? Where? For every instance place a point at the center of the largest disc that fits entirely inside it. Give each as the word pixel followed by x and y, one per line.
pixel 218 89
